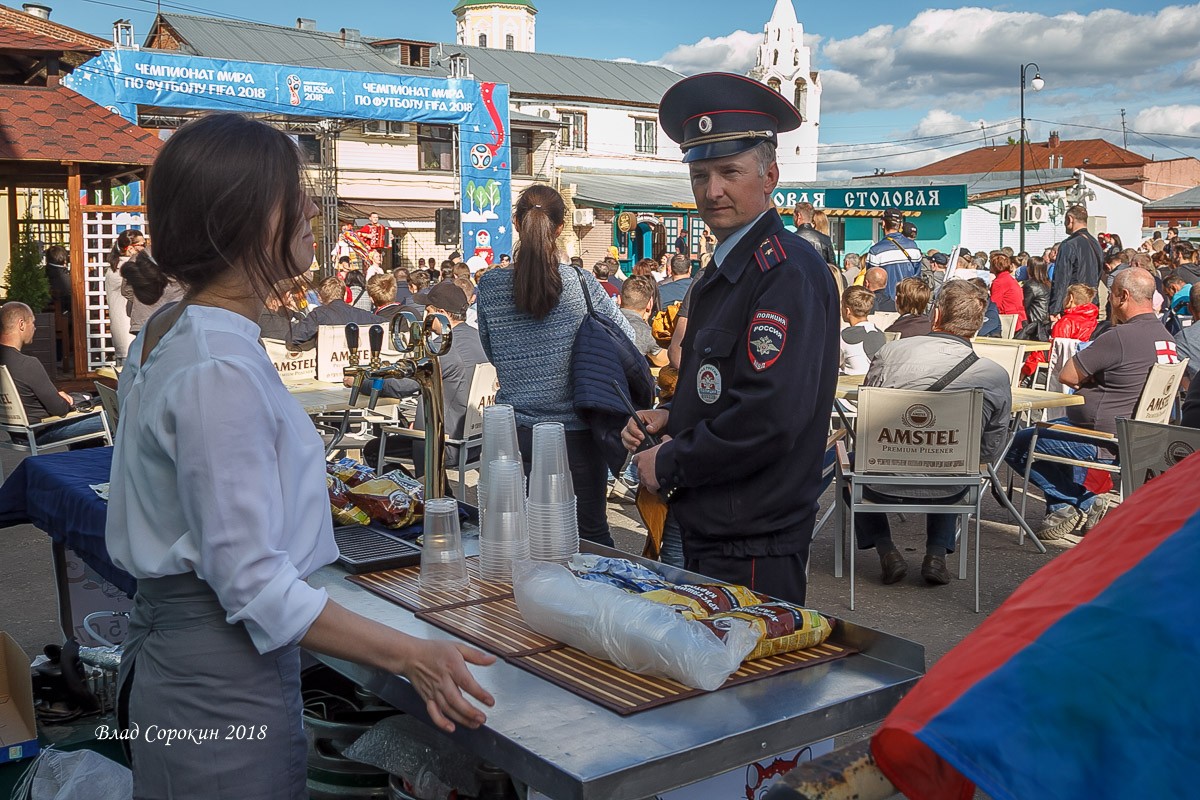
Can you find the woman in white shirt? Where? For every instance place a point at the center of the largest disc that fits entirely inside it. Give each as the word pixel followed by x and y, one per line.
pixel 129 243
pixel 217 501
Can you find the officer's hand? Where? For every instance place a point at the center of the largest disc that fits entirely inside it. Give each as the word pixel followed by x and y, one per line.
pixel 644 461
pixel 655 421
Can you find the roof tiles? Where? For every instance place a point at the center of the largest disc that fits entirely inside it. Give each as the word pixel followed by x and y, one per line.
pixel 56 124
pixel 1075 154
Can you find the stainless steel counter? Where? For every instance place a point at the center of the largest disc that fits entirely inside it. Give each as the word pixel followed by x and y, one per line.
pixel 571 749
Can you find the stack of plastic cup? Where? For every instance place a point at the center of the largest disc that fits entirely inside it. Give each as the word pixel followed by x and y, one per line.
pixel 504 537
pixel 443 563
pixel 553 527
pixel 499 444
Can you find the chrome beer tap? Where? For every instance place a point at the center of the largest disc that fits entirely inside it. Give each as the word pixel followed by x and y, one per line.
pixel 420 343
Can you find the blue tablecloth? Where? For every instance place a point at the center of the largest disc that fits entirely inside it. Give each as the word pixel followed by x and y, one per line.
pixel 53 492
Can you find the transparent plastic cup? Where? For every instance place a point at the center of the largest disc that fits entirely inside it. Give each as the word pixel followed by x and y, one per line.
pixel 553 530
pixel 549 448
pixel 551 488
pixel 499 443
pixel 443 563
pixel 504 536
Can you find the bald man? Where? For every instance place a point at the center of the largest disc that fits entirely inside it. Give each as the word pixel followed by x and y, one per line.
pixel 1109 374
pixel 38 395
pixel 876 281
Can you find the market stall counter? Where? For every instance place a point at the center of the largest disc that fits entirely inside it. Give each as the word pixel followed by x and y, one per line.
pixel 562 745
pixel 569 748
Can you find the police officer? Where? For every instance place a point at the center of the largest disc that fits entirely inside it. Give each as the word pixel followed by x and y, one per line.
pixel 747 427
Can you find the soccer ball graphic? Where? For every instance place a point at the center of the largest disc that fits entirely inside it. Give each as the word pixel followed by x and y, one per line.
pixel 480 157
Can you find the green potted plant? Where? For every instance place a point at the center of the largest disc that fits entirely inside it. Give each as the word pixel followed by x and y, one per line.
pixel 28 284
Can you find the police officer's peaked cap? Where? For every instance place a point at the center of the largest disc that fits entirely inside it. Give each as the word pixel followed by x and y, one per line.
pixel 720 114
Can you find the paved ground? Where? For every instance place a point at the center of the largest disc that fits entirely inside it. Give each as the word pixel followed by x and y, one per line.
pixel 936 617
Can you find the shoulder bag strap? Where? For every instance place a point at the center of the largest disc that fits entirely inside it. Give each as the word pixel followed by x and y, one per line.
pixel 587 296
pixel 950 376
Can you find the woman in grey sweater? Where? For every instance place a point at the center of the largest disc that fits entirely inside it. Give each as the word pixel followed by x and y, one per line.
pixel 528 317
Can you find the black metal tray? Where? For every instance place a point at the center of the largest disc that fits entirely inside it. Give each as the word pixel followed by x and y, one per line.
pixel 362 549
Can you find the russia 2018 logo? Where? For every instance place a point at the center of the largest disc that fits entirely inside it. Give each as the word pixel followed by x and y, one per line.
pixel 481 157
pixel 294 85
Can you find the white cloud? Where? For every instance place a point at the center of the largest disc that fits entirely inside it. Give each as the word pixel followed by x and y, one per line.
pixel 968 54
pixel 736 52
pixel 1181 120
pixel 913 148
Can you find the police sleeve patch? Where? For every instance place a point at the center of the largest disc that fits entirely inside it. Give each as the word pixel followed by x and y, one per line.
pixel 766 338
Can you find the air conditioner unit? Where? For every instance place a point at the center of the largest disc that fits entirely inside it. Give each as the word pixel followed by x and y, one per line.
pixel 375 127
pixel 584 217
pixel 1037 213
pixel 1010 212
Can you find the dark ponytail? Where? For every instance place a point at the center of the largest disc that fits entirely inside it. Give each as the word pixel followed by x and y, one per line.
pixel 124 240
pixel 145 278
pixel 537 284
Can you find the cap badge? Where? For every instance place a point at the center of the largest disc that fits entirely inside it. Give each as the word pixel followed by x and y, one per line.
pixel 705 124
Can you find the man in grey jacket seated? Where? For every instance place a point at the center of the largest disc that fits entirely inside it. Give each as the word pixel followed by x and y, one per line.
pixel 919 362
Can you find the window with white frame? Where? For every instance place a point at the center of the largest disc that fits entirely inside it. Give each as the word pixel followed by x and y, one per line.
pixel 575 133
pixel 645 136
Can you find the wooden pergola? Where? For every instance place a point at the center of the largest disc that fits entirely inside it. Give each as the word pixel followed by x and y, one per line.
pixel 54 138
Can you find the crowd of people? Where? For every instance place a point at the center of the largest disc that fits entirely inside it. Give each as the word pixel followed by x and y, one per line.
pixel 1109 312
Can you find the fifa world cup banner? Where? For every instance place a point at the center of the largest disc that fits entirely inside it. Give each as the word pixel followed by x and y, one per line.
pixel 121 80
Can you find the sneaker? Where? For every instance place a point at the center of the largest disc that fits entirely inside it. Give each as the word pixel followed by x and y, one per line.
pixel 934 571
pixel 1060 523
pixel 1096 513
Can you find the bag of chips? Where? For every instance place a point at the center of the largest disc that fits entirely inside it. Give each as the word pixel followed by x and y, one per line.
pixel 393 500
pixel 344 510
pixel 350 472
pixel 784 627
pixel 700 600
pixel 619 572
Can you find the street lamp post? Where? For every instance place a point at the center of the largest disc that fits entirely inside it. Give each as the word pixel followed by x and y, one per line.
pixel 1037 83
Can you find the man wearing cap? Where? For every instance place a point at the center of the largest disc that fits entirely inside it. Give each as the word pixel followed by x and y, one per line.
pixel 895 253
pixel 741 462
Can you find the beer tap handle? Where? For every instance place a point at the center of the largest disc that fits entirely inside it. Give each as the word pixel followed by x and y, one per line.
pixel 375 335
pixel 352 343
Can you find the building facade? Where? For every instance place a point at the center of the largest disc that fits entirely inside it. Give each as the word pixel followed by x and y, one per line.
pixel 509 25
pixel 784 63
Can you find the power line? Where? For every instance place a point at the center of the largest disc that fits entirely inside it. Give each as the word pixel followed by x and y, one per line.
pixel 1117 130
pixel 823 162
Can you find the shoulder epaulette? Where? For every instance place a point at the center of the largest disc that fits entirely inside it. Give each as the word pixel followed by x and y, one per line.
pixel 770 254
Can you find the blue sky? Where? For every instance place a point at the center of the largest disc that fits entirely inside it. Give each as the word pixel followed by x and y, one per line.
pixel 904 73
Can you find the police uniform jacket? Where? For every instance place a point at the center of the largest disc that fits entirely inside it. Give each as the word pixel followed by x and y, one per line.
pixel 751 412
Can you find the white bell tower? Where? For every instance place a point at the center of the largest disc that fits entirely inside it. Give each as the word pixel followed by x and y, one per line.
pixel 785 64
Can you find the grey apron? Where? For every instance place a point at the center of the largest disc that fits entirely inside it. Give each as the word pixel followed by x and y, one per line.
pixel 206 716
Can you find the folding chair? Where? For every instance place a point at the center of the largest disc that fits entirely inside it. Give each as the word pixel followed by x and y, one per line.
pixel 891 336
pixel 1009 356
pixel 883 319
pixel 482 393
pixel 1008 326
pixel 109 404
pixel 1061 351
pixel 1154 405
pixel 828 476
pixel 901 432
pixel 1149 449
pixel 23 435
